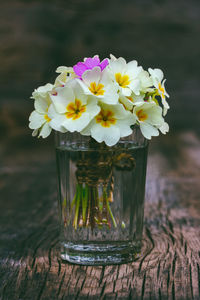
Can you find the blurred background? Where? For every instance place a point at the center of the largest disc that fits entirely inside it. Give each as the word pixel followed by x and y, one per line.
pixel 37 36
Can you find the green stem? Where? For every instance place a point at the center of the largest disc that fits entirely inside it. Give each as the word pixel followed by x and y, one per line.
pixel 77 206
pixel 74 200
pixel 84 202
pixel 111 214
pixel 108 207
pixel 88 206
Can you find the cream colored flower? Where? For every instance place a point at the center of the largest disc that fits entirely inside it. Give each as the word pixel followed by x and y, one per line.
pixel 66 74
pixel 131 101
pixel 100 85
pixel 102 99
pixel 146 82
pixel 41 92
pixel 164 128
pixel 125 75
pixel 157 77
pixel 39 118
pixel 71 109
pixel 149 117
pixel 111 123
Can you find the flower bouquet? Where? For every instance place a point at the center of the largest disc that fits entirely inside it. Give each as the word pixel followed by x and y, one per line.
pixel 103 113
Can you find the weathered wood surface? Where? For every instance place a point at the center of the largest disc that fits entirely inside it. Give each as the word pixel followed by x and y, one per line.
pixel 36 37
pixel 169 267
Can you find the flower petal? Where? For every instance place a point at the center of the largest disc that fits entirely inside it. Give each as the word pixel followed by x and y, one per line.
pixel 165 107
pixel 45 130
pixel 78 89
pixel 164 128
pixel 112 57
pixel 157 75
pixel 42 104
pixel 124 125
pixel 42 91
pixel 77 124
pixel 92 109
pixel 56 119
pixel 62 98
pixel 104 64
pixel 148 130
pixel 135 86
pixel 126 91
pixel 111 96
pixel 118 65
pixel 92 75
pixel 109 135
pixel 163 84
pixel 154 114
pixel 79 68
pixel 63 69
pixel 128 104
pixel 106 78
pixel 36 120
pixel 133 70
pixel 92 62
pixel 35 132
pixel 145 81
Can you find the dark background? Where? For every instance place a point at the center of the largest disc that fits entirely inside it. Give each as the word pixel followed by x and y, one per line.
pixel 38 36
pixel 35 38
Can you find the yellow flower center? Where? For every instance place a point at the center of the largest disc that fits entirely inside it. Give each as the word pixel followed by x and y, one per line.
pixel 75 110
pixel 47 118
pixel 161 89
pixel 106 118
pixel 142 116
pixel 122 80
pixel 96 89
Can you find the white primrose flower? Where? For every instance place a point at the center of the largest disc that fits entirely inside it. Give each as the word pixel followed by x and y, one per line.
pixel 66 74
pixel 164 128
pixel 146 82
pixel 41 91
pixel 132 100
pixel 125 75
pixel 39 118
pixel 112 57
pixel 71 109
pixel 100 85
pixel 64 69
pixel 102 99
pixel 149 117
pixel 157 77
pixel 111 123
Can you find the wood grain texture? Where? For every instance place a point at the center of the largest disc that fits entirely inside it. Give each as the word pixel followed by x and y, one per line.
pixel 169 266
pixel 36 37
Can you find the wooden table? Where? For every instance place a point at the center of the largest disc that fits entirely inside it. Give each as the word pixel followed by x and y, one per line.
pixel 169 267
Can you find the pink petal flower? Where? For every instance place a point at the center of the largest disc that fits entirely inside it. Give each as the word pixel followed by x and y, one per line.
pixel 88 64
pixel 80 68
pixel 92 62
pixel 103 64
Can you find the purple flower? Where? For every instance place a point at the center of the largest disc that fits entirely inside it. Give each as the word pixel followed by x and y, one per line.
pixel 88 64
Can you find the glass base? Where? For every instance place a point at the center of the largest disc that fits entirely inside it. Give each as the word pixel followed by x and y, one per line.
pixel 100 253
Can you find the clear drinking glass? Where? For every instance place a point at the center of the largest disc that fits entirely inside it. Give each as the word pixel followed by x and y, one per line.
pixel 101 198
